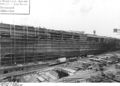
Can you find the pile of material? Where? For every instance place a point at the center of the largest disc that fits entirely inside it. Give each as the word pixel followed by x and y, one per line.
pixel 47 75
pixel 77 65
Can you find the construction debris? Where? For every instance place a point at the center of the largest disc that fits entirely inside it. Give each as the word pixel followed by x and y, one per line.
pixel 101 68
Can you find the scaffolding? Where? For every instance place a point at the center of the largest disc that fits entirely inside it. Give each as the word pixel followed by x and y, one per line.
pixel 24 44
pixel 16 44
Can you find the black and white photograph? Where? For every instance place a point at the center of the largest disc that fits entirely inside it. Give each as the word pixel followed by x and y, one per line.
pixel 59 41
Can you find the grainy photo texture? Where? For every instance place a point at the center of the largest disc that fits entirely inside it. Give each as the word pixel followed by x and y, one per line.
pixel 59 41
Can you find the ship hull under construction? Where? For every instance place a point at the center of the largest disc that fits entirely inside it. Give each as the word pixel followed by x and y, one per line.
pixel 24 44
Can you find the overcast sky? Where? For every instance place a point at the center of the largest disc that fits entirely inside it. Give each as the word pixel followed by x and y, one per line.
pixel 75 15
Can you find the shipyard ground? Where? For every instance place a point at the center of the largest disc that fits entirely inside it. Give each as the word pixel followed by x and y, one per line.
pixel 100 68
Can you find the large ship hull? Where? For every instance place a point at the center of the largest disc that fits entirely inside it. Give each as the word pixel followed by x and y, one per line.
pixel 20 44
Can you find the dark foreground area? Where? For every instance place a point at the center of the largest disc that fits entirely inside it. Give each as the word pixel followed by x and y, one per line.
pixel 100 68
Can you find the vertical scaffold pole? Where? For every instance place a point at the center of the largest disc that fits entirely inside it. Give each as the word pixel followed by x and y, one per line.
pixel 14 45
pixel 10 42
pixel 26 40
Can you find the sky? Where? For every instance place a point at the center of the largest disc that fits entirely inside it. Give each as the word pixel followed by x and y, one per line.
pixel 71 15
